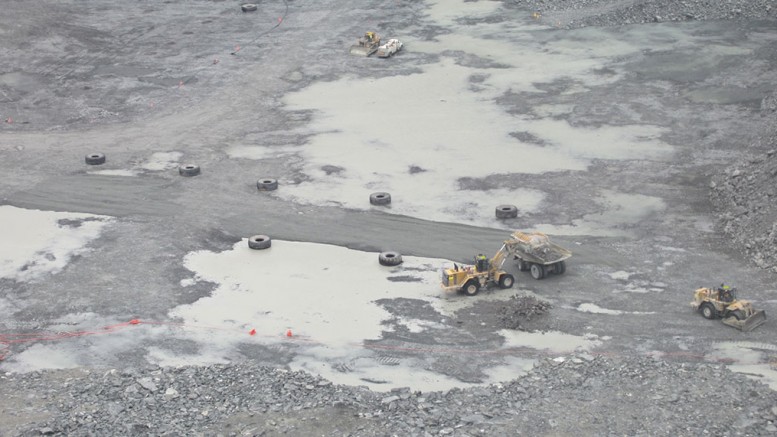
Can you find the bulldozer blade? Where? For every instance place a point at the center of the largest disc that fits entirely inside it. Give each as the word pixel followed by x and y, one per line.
pixel 358 50
pixel 757 319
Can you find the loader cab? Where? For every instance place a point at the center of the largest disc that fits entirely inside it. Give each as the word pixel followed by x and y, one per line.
pixel 481 263
pixel 726 293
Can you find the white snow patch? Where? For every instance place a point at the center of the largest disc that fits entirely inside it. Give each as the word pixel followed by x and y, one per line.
pixel 43 356
pixel 750 359
pixel 35 243
pixel 671 249
pixel 417 326
pixel 262 288
pixel 595 309
pixel 554 341
pixel 329 305
pixel 619 211
pixel 456 129
pixel 620 275
pixel 162 161
pixel 115 172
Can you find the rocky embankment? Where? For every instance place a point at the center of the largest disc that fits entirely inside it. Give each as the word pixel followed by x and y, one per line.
pixel 745 196
pixel 573 395
pixel 584 13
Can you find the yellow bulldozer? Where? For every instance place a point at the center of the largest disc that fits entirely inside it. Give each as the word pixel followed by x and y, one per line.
pixel 366 45
pixel 722 303
pixel 485 272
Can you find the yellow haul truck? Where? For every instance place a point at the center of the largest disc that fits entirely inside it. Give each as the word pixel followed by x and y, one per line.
pixel 531 251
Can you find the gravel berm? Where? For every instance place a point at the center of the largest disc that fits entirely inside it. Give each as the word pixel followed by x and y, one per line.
pixel 573 395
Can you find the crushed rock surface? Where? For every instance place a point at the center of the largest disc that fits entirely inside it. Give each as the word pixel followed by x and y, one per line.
pixel 574 395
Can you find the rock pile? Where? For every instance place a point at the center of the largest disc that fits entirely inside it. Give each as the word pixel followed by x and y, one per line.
pixel 745 196
pixel 582 394
pixel 584 13
pixel 520 309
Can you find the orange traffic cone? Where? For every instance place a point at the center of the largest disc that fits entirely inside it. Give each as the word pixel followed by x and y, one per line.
pixel 252 332
pixel 288 333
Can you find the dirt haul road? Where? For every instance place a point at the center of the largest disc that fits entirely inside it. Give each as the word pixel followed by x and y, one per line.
pixel 605 138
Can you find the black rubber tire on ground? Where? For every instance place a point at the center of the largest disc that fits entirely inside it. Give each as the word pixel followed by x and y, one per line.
pixel 506 211
pixel 189 170
pixel 538 271
pixel 380 198
pixel 708 311
pixel 506 281
pixel 390 258
pixel 267 184
pixel 248 7
pixel 95 159
pixel 471 288
pixel 259 242
pixel 560 267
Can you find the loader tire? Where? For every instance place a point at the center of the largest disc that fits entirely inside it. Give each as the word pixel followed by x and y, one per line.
pixel 538 271
pixel 267 184
pixel 259 242
pixel 738 314
pixel 248 7
pixel 561 267
pixel 506 281
pixel 189 170
pixel 95 159
pixel 380 198
pixel 506 211
pixel 471 288
pixel 522 265
pixel 708 311
pixel 390 258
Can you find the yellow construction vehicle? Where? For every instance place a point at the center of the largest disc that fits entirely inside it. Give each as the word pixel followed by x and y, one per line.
pixel 485 272
pixel 533 251
pixel 722 303
pixel 367 44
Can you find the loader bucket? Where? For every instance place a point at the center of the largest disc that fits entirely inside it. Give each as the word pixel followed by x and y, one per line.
pixel 757 319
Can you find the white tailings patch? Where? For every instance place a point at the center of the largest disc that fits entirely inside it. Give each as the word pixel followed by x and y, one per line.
pixel 420 136
pixel 595 309
pixel 755 360
pixel 39 243
pixel 159 161
pixel 552 341
pixel 326 296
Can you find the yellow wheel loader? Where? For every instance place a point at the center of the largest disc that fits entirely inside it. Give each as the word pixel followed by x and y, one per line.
pixel 485 272
pixel 722 303
pixel 531 251
pixel 366 45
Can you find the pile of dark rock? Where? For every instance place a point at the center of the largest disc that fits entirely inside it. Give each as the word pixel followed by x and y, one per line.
pixel 518 310
pixel 584 13
pixel 745 198
pixel 573 395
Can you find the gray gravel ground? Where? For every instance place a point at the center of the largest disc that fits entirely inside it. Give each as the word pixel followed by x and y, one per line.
pixel 583 394
pixel 558 397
